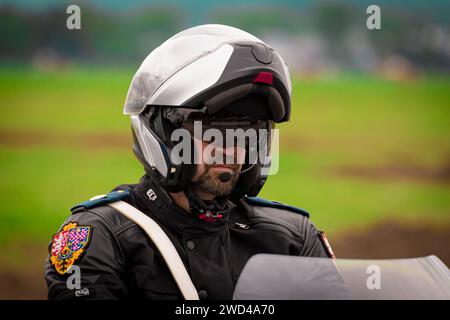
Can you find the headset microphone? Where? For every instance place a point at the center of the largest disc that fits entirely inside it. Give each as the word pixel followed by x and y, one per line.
pixel 225 177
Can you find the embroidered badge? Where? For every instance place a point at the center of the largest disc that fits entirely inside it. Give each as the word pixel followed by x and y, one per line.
pixel 68 245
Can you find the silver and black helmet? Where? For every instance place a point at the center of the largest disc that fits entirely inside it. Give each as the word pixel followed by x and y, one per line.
pixel 210 70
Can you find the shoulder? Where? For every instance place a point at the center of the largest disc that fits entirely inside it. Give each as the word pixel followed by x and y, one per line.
pixel 92 230
pixel 292 219
pixel 97 212
pixel 260 202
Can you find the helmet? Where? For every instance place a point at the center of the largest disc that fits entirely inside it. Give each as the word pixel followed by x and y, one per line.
pixel 205 70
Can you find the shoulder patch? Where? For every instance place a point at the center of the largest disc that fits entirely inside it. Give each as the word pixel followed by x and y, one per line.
pixel 97 201
pixel 68 246
pixel 274 204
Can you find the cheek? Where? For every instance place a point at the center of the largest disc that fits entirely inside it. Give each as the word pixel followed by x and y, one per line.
pixel 199 146
pixel 199 171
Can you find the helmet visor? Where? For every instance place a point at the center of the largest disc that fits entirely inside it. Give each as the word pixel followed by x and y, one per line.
pixel 231 141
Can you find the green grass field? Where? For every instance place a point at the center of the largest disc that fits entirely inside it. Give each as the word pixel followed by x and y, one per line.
pixel 351 121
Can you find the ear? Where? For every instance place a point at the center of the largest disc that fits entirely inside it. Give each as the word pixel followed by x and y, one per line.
pixel 181 175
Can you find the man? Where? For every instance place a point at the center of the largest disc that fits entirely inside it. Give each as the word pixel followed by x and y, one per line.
pixel 205 81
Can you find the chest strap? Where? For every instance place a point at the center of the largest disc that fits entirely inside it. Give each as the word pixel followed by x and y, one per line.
pixel 164 245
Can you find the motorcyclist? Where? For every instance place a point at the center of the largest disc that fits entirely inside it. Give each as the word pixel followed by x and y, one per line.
pixel 206 81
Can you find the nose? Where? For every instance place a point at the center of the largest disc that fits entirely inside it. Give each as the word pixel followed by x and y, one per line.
pixel 231 154
pixel 228 152
pixel 236 153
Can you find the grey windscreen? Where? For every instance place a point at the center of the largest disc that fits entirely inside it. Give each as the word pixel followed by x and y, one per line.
pixel 277 277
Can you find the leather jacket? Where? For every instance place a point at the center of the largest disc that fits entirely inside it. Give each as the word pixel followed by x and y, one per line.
pixel 117 260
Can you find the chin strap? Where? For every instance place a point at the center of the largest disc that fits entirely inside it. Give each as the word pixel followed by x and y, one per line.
pixel 211 211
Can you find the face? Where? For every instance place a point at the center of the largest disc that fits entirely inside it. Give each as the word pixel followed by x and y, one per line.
pixel 206 179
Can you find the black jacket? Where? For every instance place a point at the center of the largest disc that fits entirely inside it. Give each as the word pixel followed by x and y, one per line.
pixel 117 260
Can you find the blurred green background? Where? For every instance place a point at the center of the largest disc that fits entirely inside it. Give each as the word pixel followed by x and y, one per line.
pixel 368 139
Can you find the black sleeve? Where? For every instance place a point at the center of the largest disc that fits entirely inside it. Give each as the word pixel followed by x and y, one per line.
pixel 315 244
pixel 85 240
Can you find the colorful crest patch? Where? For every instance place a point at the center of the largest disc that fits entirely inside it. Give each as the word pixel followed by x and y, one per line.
pixel 68 245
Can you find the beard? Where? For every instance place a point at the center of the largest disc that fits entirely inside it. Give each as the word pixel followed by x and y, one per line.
pixel 209 182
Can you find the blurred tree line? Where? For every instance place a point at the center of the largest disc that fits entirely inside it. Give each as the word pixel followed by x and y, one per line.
pixel 104 36
pixel 337 29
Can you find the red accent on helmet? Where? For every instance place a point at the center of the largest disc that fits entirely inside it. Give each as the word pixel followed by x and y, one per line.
pixel 264 77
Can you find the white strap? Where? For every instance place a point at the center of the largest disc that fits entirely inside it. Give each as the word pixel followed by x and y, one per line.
pixel 164 245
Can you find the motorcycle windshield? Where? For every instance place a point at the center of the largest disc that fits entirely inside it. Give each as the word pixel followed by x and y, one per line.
pixel 277 277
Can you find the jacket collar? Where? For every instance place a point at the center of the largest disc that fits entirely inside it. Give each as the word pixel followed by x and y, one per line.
pixel 149 197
